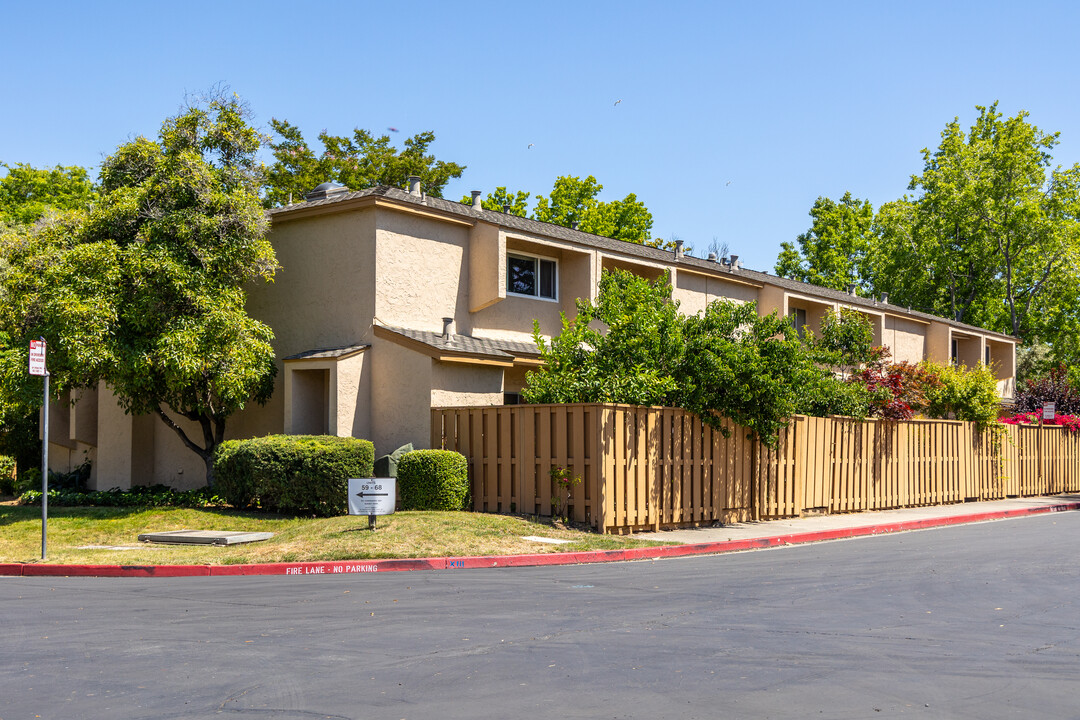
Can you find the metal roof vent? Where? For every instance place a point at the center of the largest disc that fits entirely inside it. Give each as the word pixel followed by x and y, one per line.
pixel 326 190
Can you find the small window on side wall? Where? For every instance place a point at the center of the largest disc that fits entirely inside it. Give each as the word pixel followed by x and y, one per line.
pixel 532 276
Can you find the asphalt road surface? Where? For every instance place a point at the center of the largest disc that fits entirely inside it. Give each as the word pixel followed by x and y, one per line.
pixel 977 621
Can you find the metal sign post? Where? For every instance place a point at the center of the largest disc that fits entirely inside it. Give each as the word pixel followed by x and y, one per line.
pixel 37 367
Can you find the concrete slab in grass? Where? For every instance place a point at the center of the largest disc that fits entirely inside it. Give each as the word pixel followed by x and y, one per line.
pixel 204 537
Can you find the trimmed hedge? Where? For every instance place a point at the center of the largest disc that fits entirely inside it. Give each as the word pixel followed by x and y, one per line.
pixel 433 480
pixel 292 474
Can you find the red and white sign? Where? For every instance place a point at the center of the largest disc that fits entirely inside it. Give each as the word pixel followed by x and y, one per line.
pixel 1049 410
pixel 37 357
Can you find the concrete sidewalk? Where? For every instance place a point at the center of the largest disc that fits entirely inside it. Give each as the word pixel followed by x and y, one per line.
pixel 865 523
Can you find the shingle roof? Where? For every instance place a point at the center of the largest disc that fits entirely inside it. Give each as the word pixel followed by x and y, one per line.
pixel 328 353
pixel 468 345
pixel 624 247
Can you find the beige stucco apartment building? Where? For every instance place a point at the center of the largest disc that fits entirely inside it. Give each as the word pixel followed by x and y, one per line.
pixel 389 302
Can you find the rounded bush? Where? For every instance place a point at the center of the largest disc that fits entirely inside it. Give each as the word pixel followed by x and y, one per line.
pixel 433 480
pixel 296 474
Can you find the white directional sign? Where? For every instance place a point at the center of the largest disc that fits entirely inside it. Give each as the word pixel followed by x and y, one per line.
pixel 372 496
pixel 37 357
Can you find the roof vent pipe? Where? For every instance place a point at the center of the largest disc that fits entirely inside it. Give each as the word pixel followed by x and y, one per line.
pixel 734 262
pixel 885 298
pixel 574 225
pixel 678 248
pixel 448 328
pixel 712 257
pixel 477 203
pixel 414 185
pixel 506 209
pixel 852 289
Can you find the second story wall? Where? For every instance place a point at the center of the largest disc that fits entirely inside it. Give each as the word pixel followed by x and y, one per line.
pixel 422 270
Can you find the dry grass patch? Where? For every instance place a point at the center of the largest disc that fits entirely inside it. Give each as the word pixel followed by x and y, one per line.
pixel 402 535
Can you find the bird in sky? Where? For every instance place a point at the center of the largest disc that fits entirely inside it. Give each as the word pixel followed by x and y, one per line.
pixel 530 146
pixel 618 101
pixel 393 129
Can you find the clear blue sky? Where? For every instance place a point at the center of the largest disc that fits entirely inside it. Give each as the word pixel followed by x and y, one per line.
pixel 734 117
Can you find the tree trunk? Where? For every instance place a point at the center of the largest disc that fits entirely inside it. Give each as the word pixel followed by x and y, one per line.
pixel 212 437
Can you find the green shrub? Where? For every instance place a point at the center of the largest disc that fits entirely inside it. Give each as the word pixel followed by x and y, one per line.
pixel 964 394
pixel 293 474
pixel 138 496
pixel 433 480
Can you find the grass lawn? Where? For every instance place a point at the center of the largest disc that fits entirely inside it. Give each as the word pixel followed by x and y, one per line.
pixel 90 535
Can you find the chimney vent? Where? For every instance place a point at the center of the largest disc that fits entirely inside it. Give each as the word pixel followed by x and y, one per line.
pixel 734 262
pixel 414 185
pixel 712 257
pixel 448 329
pixel 476 202
pixel 885 298
pixel 852 289
pixel 506 209
pixel 574 225
pixel 678 248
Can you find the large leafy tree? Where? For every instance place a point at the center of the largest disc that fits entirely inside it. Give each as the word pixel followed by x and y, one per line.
pixel 27 193
pixel 832 252
pixel 146 291
pixel 992 235
pixel 573 200
pixel 360 161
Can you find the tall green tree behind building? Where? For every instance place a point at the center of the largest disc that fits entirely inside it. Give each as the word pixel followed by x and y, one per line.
pixel 990 235
pixel 358 162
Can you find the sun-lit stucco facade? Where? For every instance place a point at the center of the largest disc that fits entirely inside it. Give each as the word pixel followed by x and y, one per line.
pixel 388 303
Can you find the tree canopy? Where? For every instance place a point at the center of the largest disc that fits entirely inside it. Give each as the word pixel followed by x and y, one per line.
pixel 575 202
pixel 146 291
pixel 360 161
pixel 990 235
pixel 832 253
pixel 27 193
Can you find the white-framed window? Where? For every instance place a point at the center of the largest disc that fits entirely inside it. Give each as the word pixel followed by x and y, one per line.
pixel 532 276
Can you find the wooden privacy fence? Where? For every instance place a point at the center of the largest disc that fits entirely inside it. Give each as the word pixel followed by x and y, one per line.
pixel 647 468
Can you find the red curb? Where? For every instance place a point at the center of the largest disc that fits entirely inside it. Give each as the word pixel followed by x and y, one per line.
pixel 346 567
pixel 33 570
pixel 337 567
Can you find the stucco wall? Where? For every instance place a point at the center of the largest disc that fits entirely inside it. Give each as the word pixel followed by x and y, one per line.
pixel 322 296
pixel 172 463
pixel 354 397
pixel 905 338
pixel 694 292
pixel 423 272
pixel 772 299
pixel 400 397
pixel 459 384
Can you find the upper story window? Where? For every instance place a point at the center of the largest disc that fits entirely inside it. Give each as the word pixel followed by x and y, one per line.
pixel 532 276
